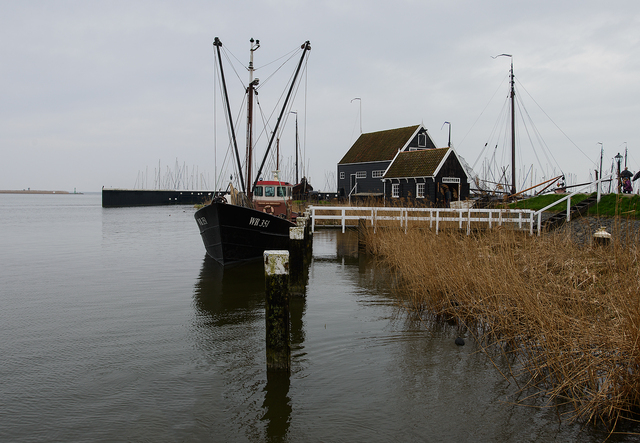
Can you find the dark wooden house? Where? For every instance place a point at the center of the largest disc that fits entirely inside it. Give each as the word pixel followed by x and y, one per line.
pixel 361 169
pixel 433 176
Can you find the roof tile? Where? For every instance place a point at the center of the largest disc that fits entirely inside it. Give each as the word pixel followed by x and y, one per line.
pixel 378 146
pixel 421 163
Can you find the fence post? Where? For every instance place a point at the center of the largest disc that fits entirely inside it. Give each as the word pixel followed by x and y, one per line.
pixel 539 222
pixel 276 268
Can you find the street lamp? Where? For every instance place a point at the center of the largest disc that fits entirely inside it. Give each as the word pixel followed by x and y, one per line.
pixel 618 158
pixel 360 100
pixel 447 123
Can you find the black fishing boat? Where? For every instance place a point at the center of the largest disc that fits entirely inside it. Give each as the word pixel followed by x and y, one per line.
pixel 258 217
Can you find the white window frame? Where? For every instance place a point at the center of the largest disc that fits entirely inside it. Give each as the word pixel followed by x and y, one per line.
pixel 361 174
pixel 342 175
pixel 422 138
pixel 395 190
pixel 377 174
pixel 420 190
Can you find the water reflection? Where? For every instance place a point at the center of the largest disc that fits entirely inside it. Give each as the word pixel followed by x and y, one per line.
pixel 359 371
pixel 229 295
pixel 230 319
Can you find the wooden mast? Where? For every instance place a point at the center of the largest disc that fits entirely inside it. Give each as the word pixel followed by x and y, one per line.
pixel 306 47
pixel 218 44
pixel 513 133
pixel 255 44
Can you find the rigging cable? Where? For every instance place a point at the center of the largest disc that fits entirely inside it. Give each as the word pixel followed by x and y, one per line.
pixel 485 108
pixel 554 123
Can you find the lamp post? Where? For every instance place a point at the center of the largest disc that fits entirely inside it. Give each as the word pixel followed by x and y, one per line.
pixel 618 158
pixel 447 123
pixel 360 100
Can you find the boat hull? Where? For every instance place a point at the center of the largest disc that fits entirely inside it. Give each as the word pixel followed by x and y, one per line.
pixel 233 234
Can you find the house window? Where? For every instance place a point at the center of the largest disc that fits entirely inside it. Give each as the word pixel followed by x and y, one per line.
pixel 342 175
pixel 422 140
pixel 420 190
pixel 377 174
pixel 361 174
pixel 395 190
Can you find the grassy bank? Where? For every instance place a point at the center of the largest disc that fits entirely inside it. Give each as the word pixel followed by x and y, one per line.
pixel 611 205
pixel 566 318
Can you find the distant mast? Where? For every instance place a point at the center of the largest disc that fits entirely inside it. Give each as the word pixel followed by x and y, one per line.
pixel 513 133
pixel 512 94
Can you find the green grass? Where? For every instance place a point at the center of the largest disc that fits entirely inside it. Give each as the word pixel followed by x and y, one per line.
pixel 610 205
pixel 617 204
pixel 542 201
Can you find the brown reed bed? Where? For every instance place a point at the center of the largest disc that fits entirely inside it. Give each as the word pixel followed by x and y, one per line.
pixel 566 316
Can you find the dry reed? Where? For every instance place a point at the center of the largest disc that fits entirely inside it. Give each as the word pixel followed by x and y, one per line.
pixel 567 316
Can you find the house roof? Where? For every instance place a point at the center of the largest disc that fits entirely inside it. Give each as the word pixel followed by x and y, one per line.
pixel 423 163
pixel 378 146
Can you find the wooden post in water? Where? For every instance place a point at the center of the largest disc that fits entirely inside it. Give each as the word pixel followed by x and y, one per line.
pixel 297 260
pixel 362 229
pixel 276 268
pixel 304 222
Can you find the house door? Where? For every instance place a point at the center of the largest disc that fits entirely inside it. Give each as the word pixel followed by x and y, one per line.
pixel 352 183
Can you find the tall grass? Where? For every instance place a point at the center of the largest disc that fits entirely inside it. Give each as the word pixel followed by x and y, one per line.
pixel 567 317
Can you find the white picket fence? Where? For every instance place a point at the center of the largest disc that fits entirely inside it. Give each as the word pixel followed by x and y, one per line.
pixel 465 217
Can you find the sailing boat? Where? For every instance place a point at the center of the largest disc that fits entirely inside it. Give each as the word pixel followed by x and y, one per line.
pixel 259 216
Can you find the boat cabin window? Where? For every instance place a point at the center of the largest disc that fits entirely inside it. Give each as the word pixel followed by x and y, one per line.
pixel 269 191
pixel 257 191
pixel 282 191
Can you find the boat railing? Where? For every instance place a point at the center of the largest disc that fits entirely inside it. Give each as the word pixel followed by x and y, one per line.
pixel 462 217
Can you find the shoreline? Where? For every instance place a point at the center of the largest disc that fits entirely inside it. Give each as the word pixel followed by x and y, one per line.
pixel 30 191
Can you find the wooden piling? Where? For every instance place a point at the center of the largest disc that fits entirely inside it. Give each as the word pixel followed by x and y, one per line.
pixel 362 231
pixel 297 261
pixel 276 267
pixel 305 222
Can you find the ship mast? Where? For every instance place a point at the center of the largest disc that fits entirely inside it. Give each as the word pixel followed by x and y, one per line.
pixel 218 44
pixel 255 44
pixel 513 133
pixel 512 95
pixel 306 47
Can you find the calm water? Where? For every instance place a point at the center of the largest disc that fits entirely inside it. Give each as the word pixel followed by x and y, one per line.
pixel 115 327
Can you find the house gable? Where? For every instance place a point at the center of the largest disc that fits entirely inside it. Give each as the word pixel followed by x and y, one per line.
pixel 421 174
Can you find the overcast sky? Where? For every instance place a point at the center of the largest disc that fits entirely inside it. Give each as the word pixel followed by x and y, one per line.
pixel 95 93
